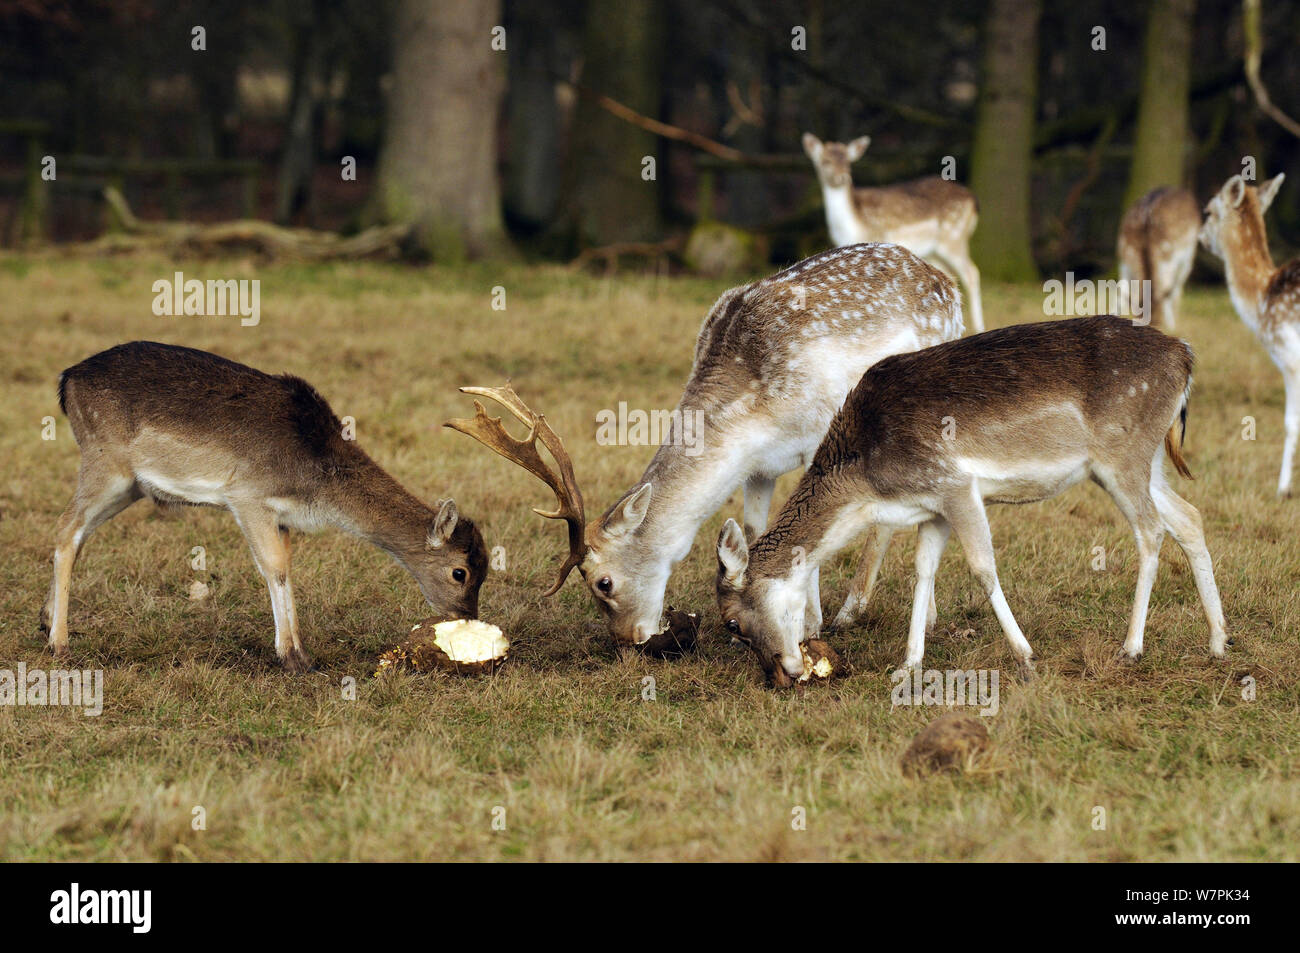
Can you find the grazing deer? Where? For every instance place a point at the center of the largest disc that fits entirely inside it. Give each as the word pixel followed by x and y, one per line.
pixel 185 426
pixel 773 363
pixel 1157 244
pixel 932 217
pixel 1011 416
pixel 1267 298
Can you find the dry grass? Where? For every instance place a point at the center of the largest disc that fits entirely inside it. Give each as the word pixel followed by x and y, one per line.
pixel 197 715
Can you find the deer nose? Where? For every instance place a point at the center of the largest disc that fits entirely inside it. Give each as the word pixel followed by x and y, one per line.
pixel 777 676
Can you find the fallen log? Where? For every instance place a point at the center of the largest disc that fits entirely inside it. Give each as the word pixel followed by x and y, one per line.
pixel 270 241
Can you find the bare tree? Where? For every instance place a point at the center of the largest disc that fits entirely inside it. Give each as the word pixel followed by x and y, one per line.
pixel 438 163
pixel 293 191
pixel 611 194
pixel 1160 143
pixel 1004 137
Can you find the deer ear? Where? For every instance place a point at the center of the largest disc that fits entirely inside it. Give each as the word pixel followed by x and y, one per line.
pixel 629 514
pixel 1236 190
pixel 733 552
pixel 812 145
pixel 857 147
pixel 444 524
pixel 1268 191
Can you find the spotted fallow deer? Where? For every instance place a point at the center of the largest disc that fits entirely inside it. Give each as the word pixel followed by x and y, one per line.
pixel 1011 416
pixel 1157 244
pixel 182 426
pixel 773 363
pixel 1267 298
pixel 932 216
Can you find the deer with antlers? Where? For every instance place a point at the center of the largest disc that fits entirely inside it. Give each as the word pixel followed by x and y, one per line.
pixel 1157 244
pixel 184 426
pixel 1267 298
pixel 931 216
pixel 773 363
pixel 926 439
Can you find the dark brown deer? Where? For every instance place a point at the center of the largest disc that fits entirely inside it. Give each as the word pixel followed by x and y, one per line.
pixel 926 439
pixel 184 426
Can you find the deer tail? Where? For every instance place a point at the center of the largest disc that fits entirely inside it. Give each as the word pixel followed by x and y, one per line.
pixel 1175 436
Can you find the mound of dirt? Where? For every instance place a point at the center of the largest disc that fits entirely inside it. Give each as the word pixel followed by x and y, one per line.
pixel 949 743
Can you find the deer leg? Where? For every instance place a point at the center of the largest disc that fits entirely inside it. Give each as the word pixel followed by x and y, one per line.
pixel 864 583
pixel 102 492
pixel 812 620
pixel 1173 300
pixel 971 278
pixel 1148 533
pixel 971 525
pixel 931 538
pixel 270 545
pixel 1184 273
pixel 1169 311
pixel 1292 420
pixel 758 502
pixel 1163 289
pixel 1131 493
pixel 959 260
pixel 1184 524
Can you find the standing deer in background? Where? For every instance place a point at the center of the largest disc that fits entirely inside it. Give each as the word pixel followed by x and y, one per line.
pixel 932 217
pixel 1267 298
pixel 1037 408
pixel 773 363
pixel 1157 244
pixel 184 426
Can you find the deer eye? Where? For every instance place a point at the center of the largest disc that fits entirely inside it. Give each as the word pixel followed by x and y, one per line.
pixel 458 574
pixel 733 627
pixel 605 585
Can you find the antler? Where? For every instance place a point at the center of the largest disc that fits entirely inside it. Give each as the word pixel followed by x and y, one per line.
pixel 490 432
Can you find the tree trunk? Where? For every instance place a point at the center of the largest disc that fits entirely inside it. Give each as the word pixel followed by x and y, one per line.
pixel 293 191
pixel 1002 155
pixel 533 173
pixel 748 200
pixel 1160 143
pixel 608 199
pixel 438 163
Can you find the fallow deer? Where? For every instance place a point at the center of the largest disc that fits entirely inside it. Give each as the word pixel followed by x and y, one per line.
pixel 1014 415
pixel 184 426
pixel 1157 244
pixel 931 216
pixel 1267 298
pixel 773 363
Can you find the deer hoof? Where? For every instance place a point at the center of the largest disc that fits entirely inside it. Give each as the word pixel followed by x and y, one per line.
pixel 297 662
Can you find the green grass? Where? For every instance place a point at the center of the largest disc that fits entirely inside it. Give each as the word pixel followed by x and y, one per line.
pixel 197 715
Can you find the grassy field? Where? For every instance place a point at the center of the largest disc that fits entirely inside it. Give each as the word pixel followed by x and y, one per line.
pixel 196 714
